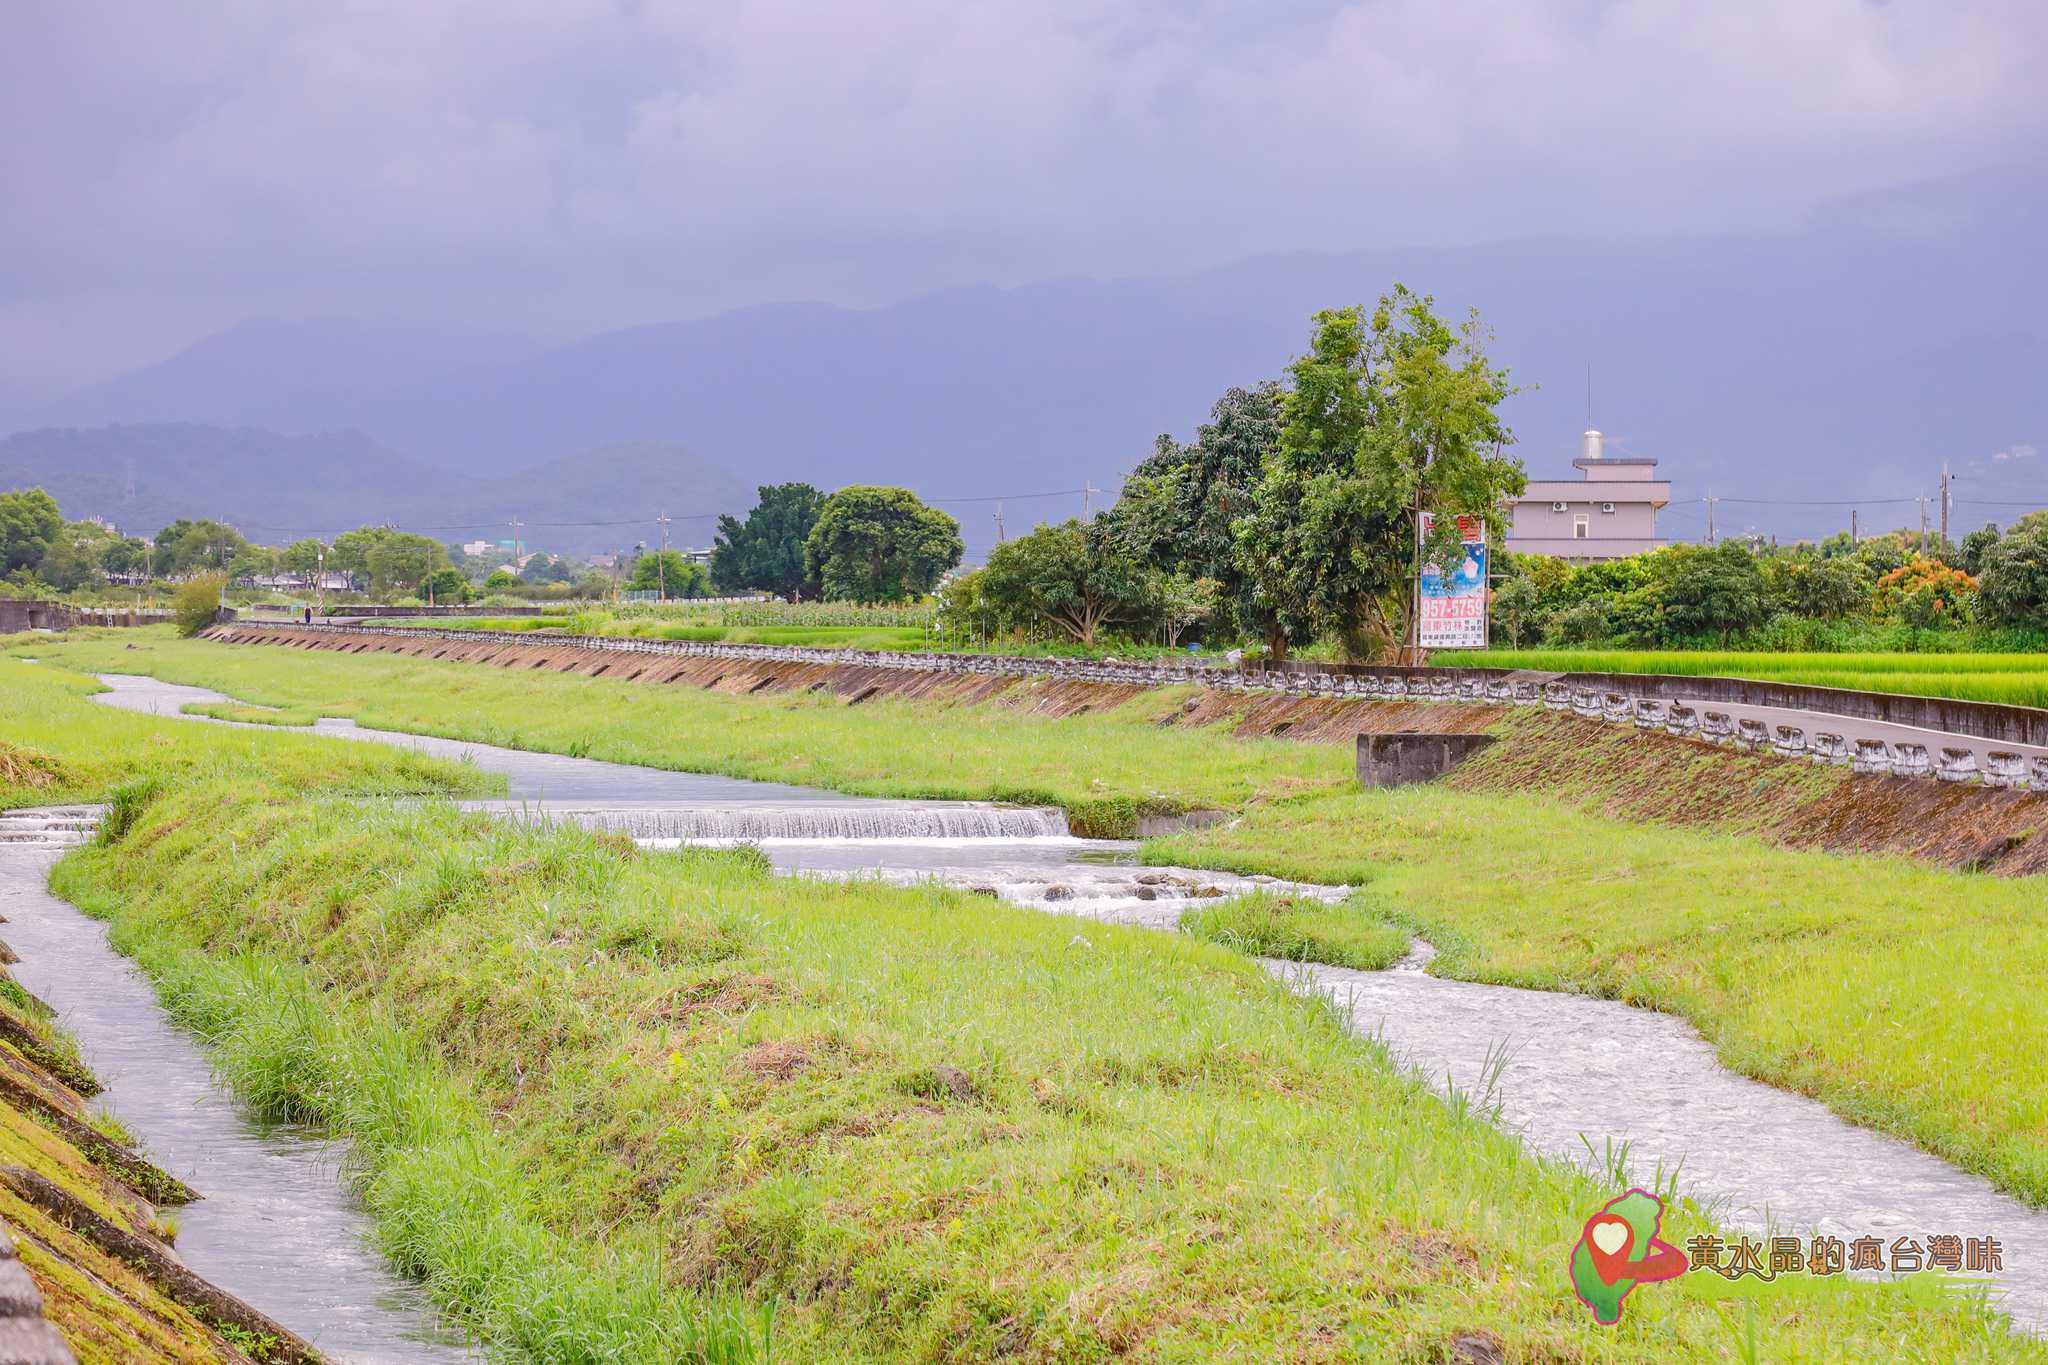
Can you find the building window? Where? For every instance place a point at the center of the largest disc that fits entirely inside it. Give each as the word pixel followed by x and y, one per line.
pixel 1581 526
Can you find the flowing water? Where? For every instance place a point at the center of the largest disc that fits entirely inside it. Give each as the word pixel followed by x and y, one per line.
pixel 1573 1076
pixel 274 1225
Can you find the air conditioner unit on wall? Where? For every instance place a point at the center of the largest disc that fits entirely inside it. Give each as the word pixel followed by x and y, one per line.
pixel 1559 506
pixel 1607 507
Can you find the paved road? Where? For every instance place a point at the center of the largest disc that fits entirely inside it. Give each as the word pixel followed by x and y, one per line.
pixel 1852 729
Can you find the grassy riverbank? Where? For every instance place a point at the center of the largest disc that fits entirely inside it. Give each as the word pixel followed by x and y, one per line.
pixel 603 1100
pixel 56 746
pixel 619 1106
pixel 1103 768
pixel 2020 679
pixel 1902 996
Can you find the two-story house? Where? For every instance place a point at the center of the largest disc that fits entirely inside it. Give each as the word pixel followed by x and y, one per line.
pixel 1608 512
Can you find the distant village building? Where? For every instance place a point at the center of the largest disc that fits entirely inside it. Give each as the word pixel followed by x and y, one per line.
pixel 1609 512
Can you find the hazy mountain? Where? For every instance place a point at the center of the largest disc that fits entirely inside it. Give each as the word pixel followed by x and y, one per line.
pixel 1848 359
pixel 296 376
pixel 276 488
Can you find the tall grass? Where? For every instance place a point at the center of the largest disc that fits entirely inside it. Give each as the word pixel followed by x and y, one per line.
pixel 603 1101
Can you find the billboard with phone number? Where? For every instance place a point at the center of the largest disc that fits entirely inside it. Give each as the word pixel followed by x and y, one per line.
pixel 1453 605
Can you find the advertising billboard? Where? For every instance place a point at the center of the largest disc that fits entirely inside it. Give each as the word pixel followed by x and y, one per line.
pixel 1453 605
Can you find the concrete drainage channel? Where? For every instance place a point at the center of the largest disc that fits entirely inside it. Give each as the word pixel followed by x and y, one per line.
pixel 1767 1161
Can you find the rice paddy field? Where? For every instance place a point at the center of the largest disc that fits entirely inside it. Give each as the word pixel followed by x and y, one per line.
pixel 2017 679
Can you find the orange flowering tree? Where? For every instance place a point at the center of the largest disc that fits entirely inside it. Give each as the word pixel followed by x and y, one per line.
pixel 1927 592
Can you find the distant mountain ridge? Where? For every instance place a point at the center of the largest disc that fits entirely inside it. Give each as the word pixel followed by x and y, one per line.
pixel 276 488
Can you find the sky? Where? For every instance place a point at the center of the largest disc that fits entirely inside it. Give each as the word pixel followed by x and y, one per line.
pixel 561 166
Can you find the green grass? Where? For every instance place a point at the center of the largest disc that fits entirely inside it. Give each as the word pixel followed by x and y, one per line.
pixel 250 715
pixel 2019 679
pixel 1299 929
pixel 620 1106
pixel 1902 996
pixel 1104 769
pixel 85 750
pixel 818 637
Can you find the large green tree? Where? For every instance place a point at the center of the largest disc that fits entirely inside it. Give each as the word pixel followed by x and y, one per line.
pixel 1391 414
pixel 188 547
pixel 667 572
pixel 1179 507
pixel 1716 591
pixel 29 524
pixel 1073 577
pixel 2012 590
pixel 766 551
pixel 873 544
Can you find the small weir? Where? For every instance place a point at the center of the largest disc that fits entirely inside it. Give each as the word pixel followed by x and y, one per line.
pixel 755 821
pixel 274 1224
pixel 1572 1076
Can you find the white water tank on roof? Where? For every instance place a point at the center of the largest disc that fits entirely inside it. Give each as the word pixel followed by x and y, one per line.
pixel 1592 451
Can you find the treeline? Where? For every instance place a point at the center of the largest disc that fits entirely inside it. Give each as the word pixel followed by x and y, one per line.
pixel 1291 517
pixel 1885 591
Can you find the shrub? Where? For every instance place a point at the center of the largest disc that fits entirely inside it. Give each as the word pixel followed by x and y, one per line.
pixel 2014 586
pixel 1582 624
pixel 197 604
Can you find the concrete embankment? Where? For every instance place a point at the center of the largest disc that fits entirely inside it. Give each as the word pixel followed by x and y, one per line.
pixel 1626 770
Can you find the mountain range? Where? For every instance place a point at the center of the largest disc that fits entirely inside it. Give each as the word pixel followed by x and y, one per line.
pixel 1845 360
pixel 278 488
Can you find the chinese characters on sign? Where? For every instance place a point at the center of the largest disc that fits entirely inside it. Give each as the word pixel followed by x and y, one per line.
pixel 1767 1260
pixel 1453 607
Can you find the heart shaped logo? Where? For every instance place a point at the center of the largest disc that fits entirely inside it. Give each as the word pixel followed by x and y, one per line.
pixel 1610 1235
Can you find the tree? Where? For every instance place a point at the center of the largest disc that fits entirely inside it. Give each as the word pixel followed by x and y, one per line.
pixel 2013 588
pixel 542 568
pixel 397 558
pixel 444 586
pixel 501 579
pixel 666 571
pixel 766 551
pixel 1179 508
pixel 1515 608
pixel 72 560
pixel 1183 601
pixel 1075 577
pixel 873 544
pixel 1829 589
pixel 1714 591
pixel 1976 545
pixel 197 603
pixel 1390 416
pixel 302 557
pixel 124 555
pixel 1926 593
pixel 29 523
pixel 188 547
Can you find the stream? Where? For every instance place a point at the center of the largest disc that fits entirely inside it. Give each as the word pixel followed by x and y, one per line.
pixel 1571 1076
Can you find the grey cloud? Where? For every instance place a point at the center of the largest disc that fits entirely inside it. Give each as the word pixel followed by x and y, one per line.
pixel 575 163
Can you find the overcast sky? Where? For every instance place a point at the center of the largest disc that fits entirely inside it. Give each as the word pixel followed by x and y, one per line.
pixel 564 165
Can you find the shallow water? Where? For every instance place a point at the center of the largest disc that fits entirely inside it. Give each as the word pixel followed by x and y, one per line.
pixel 275 1224
pixel 1579 1074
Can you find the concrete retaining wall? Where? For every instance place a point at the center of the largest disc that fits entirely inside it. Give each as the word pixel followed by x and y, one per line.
pixel 1398 760
pixel 17 616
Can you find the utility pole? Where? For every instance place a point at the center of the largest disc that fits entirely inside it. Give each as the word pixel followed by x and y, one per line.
pixel 1000 537
pixel 1923 523
pixel 661 561
pixel 1711 500
pixel 1088 492
pixel 320 576
pixel 516 525
pixel 1946 501
pixel 1852 528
